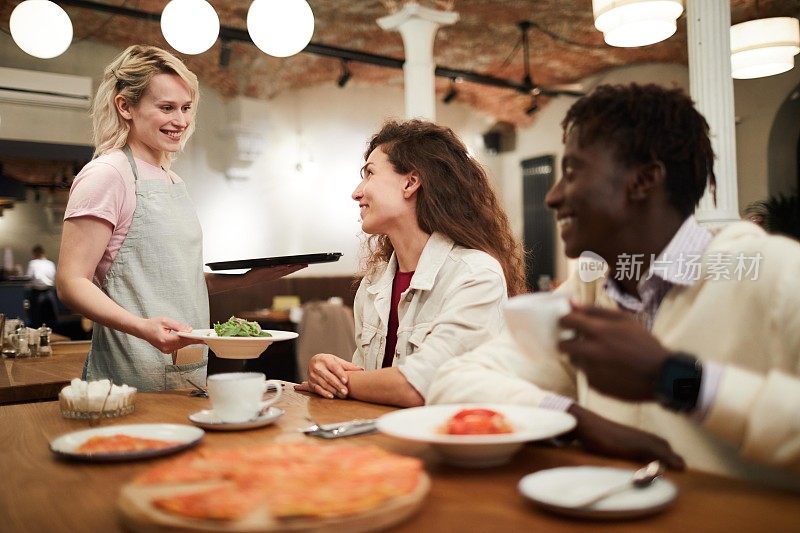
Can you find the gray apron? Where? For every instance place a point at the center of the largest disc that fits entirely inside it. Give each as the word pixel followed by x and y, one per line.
pixel 157 272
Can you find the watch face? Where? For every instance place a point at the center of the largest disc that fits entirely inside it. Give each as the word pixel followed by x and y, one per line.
pixel 679 385
pixel 685 388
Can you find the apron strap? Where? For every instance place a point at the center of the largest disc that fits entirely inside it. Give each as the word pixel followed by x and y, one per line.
pixel 127 150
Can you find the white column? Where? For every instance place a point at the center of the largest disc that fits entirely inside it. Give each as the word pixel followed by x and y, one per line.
pixel 711 87
pixel 418 25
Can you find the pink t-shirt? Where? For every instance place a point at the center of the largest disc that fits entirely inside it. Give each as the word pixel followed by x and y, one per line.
pixel 105 188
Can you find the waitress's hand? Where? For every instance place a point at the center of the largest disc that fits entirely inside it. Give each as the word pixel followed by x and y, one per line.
pixel 327 376
pixel 160 332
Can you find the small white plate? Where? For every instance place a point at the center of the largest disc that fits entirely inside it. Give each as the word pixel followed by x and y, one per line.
pixel 206 419
pixel 558 490
pixel 424 424
pixel 237 347
pixel 185 436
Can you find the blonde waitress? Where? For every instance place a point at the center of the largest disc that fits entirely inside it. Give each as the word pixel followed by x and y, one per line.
pixel 131 251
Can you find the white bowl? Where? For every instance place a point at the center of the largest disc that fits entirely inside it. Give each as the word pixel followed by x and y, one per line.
pixel 423 424
pixel 119 404
pixel 238 347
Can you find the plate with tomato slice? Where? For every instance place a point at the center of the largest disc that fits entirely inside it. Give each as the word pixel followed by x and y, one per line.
pixel 475 435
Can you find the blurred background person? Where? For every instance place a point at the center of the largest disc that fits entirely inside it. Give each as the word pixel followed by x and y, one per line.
pixel 42 272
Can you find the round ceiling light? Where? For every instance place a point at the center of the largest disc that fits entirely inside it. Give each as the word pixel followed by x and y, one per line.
pixel 190 26
pixel 280 29
pixel 629 23
pixel 764 47
pixel 41 28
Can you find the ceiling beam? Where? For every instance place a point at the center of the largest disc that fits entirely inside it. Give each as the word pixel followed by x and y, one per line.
pixel 235 34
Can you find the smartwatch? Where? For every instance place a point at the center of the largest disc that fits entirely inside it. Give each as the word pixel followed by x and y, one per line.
pixel 678 386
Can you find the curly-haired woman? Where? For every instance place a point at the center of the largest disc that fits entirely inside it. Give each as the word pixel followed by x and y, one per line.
pixel 441 260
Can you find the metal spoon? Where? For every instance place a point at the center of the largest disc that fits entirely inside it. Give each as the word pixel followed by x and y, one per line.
pixel 199 391
pixel 643 477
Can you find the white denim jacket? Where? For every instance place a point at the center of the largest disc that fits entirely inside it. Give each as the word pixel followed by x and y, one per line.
pixel 452 305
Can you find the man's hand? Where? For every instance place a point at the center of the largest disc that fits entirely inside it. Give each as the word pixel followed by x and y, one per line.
pixel 604 437
pixel 619 356
pixel 327 376
pixel 160 332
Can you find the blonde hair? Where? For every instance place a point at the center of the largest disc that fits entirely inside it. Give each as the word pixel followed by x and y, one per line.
pixel 128 75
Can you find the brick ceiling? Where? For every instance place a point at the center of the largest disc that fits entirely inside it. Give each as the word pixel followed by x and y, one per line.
pixel 484 40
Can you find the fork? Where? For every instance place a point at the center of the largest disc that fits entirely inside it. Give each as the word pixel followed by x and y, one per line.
pixel 335 429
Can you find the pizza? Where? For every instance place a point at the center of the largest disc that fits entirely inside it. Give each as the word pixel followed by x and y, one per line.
pixel 477 422
pixel 289 480
pixel 120 443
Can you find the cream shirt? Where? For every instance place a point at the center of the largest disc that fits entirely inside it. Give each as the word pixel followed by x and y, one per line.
pixel 453 304
pixel 752 327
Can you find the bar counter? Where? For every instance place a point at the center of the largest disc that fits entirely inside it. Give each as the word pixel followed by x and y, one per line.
pixel 30 379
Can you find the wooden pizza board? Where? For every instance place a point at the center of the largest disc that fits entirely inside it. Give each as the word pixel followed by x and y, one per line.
pixel 139 515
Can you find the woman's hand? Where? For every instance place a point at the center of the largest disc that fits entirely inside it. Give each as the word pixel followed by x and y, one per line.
pixel 160 332
pixel 327 376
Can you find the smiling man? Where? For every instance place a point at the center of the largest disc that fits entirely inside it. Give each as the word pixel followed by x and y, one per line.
pixel 689 336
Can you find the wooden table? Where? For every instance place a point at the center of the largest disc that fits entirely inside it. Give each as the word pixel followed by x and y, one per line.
pixel 39 493
pixel 31 379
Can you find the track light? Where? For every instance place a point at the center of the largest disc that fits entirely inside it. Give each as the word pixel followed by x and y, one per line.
pixel 225 53
pixel 452 92
pixel 533 107
pixel 345 76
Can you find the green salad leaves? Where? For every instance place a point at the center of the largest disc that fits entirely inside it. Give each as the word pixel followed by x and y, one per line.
pixel 238 327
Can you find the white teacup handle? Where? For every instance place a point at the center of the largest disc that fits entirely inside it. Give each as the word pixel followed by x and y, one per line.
pixel 279 391
pixel 566 334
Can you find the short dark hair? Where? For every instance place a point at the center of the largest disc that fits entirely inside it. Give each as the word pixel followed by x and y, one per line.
pixel 38 250
pixel 649 123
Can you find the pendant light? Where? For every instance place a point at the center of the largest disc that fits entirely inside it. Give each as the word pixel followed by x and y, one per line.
pixel 41 28
pixel 280 29
pixel 190 26
pixel 764 47
pixel 629 23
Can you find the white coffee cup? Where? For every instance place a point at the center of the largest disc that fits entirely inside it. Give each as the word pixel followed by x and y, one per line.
pixel 236 396
pixel 533 319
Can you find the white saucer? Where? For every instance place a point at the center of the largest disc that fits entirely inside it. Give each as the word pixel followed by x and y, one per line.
pixel 206 419
pixel 557 489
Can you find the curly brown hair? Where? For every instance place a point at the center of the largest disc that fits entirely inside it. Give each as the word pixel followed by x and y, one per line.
pixel 456 197
pixel 649 123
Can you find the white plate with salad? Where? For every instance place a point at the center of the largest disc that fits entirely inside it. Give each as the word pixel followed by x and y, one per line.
pixel 238 338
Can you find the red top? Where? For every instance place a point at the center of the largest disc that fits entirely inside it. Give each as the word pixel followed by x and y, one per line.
pixel 401 282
